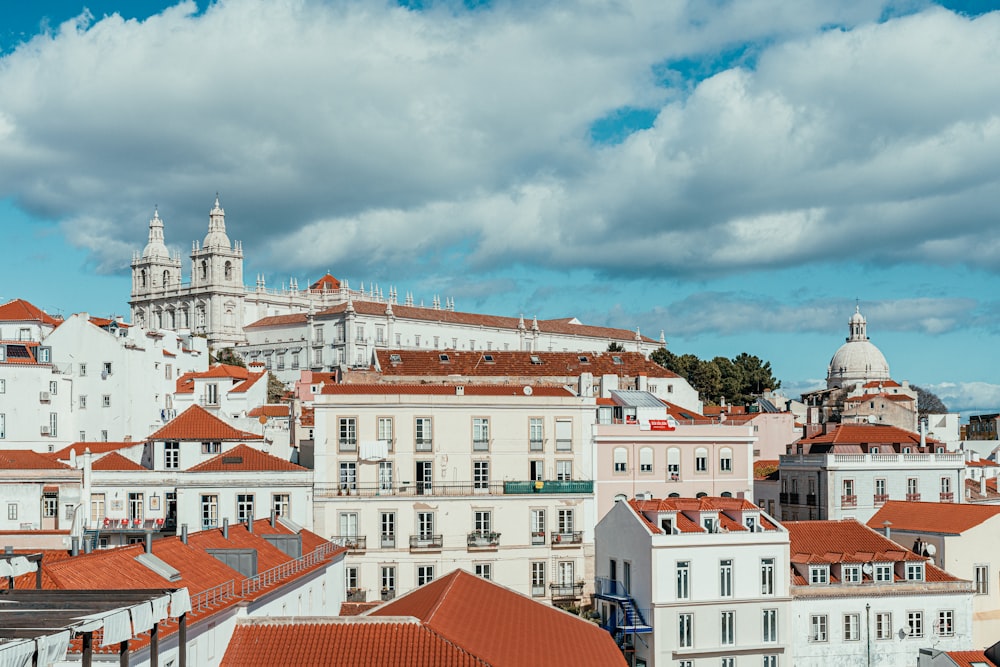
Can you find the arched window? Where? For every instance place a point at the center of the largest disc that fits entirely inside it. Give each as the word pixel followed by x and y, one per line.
pixel 229 271
pixel 674 464
pixel 621 459
pixel 646 459
pixel 166 278
pixel 674 495
pixel 142 278
pixel 204 270
pixel 168 319
pixel 700 494
pixel 726 459
pixel 727 494
pixel 701 459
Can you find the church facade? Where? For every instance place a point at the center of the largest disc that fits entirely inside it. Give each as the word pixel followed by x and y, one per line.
pixel 327 325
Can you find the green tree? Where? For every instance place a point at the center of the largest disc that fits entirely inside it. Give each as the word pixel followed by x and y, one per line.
pixel 229 357
pixel 737 380
pixel 275 389
pixel 616 347
pixel 928 402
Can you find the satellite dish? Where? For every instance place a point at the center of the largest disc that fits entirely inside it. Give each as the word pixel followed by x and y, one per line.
pixel 867 568
pixel 528 391
pixel 930 549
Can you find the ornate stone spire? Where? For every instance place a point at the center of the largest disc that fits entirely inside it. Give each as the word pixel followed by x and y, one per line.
pixel 155 248
pixel 216 227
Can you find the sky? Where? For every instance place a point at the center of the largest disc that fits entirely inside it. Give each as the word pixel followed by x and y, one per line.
pixel 739 175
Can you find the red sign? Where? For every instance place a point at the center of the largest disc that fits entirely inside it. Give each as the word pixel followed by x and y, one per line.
pixel 660 425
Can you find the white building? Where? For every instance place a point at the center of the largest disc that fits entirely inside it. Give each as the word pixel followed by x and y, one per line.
pixel 422 479
pixel 36 494
pixel 859 598
pixel 853 469
pixel 708 579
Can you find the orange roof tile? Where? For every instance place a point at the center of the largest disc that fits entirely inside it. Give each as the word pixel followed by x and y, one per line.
pixel 441 389
pixel 26 459
pixel 502 627
pixel 340 642
pixel 197 423
pixel 507 363
pixel 280 410
pixel 982 463
pixel 327 282
pixel 944 518
pixel 244 457
pixel 246 384
pixel 765 469
pixel 969 658
pixel 19 310
pixel 115 461
pixel 867 434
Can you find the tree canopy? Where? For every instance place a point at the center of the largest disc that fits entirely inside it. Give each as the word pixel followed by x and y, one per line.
pixel 736 380
pixel 928 402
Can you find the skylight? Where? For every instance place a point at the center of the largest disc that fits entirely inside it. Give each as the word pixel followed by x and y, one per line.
pixel 535 359
pixel 617 360
pixel 394 359
pixel 488 358
pixel 443 358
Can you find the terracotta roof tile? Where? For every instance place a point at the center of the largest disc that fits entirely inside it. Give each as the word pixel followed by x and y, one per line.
pixel 982 463
pixel 197 423
pixel 332 642
pixel 969 658
pixel 26 459
pixel 504 628
pixel 115 461
pixel 506 363
pixel 441 389
pixel 765 469
pixel 244 457
pixel 357 608
pixel 865 434
pixel 244 386
pixel 19 310
pixel 327 282
pixel 280 410
pixel 945 518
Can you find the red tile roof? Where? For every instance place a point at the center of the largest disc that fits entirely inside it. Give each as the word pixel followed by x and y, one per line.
pixel 867 434
pixel 704 504
pixel 342 642
pixel 508 363
pixel 94 447
pixel 504 628
pixel 246 384
pixel 197 423
pixel 969 658
pixel 244 458
pixel 881 383
pixel 280 410
pixel 115 461
pixel 982 463
pixel 357 608
pixel 441 390
pixel 19 310
pixel 765 469
pixel 25 459
pixel 944 518
pixel 327 282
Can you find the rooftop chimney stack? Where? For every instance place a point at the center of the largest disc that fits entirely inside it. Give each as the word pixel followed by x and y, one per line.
pixel 149 541
pixel 74 549
pixel 887 526
pixel 184 533
pixel 274 519
pixel 225 529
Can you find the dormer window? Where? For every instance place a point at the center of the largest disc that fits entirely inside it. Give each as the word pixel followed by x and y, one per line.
pixel 914 571
pixel 883 573
pixel 667 524
pixel 395 359
pixel 873 450
pixel 535 359
pixel 710 524
pixel 851 574
pixel 616 360
pixel 819 574
pixel 583 359
pixel 751 523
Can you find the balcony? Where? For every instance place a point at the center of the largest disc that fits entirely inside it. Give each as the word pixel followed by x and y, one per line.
pixel 356 595
pixel 548 486
pixel 387 541
pixel 567 539
pixel 566 591
pixel 388 594
pixel 812 500
pixel 483 540
pixel 420 488
pixel 848 501
pixel 947 497
pixel 881 498
pixel 788 498
pixel 355 544
pixel 673 477
pixel 424 444
pixel 912 497
pixel 426 542
pixel 538 537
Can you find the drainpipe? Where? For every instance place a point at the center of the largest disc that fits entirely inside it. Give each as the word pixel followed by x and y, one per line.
pixel 868 632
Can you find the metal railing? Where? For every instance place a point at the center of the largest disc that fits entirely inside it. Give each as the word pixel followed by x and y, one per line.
pixel 353 543
pixel 548 486
pixel 356 595
pixel 566 590
pixel 848 501
pixel 388 541
pixel 426 541
pixel 415 489
pixel 567 538
pixel 912 497
pixel 483 539
pixel 213 596
pixel 947 497
pixel 538 537
pixel 279 572
pixel 880 498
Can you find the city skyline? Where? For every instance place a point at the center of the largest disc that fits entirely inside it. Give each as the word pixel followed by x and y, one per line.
pixel 737 176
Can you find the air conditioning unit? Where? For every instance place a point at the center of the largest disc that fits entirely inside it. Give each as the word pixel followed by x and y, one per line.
pixel 44 396
pixel 46 430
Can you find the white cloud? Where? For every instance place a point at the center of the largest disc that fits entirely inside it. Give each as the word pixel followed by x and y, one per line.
pixel 967 397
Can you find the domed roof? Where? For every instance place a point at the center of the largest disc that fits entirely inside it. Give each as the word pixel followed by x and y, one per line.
pixel 216 236
pixel 857 360
pixel 155 248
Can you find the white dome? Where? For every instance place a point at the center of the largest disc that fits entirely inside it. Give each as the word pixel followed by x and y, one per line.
pixel 857 360
pixel 216 236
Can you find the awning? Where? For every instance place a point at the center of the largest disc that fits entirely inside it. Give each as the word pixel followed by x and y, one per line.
pixel 50 488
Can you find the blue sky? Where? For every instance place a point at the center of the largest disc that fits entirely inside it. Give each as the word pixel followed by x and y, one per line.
pixel 736 174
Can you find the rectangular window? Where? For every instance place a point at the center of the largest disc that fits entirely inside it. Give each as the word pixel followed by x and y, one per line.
pixel 564 435
pixel 244 507
pixel 819 574
pixel 348 434
pixel 388 573
pixel 852 627
pixel 728 623
pixel 209 511
pixel 348 475
pixel 425 525
pixel 211 447
pixel 767 576
pixel 726 460
pixel 536 434
pixel 171 455
pixel 646 459
pixel 770 660
pixel 564 520
pixel 385 475
pixel 3 426
pixel 914 571
pixel 685 634
pixel 3 386
pixel 915 623
pixel 385 431
pixel 107 369
pixel 982 580
pixel 53 387
pixel 83 402
pixel 817 628
pixel 946 623
pixel 424 434
pixel 769 633
pixel 104 435
pixel 883 625
pixel 480 434
pixel 351 577
pixel 537 527
pixel 280 503
pixel 729 662
pixel 425 574
pixel 53 424
pixel 484 570
pixel 425 474
pixel 50 505
pixel 701 460
pixel 726 578
pixel 538 578
pixel 83 370
pixel 348 524
pixel 564 471
pixel 883 573
pixel 12 511
pixel 482 521
pixel 106 401
pixel 387 529
pixel 212 389
pixel 481 474
pixel 97 505
pixel 683 579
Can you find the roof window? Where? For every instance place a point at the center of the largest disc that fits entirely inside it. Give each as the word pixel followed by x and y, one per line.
pixel 395 359
pixel 443 358
pixel 617 360
pixel 488 358
pixel 583 359
pixel 535 359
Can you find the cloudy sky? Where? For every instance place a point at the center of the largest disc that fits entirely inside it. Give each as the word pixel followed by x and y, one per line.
pixel 736 174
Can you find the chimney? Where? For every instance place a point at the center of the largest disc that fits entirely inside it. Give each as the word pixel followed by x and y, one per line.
pixel 87 546
pixel 184 533
pixel 982 485
pixel 888 531
pixel 74 549
pixel 250 525
pixel 923 434
pixel 149 541
pixel 225 529
pixel 274 519
pixel 459 390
